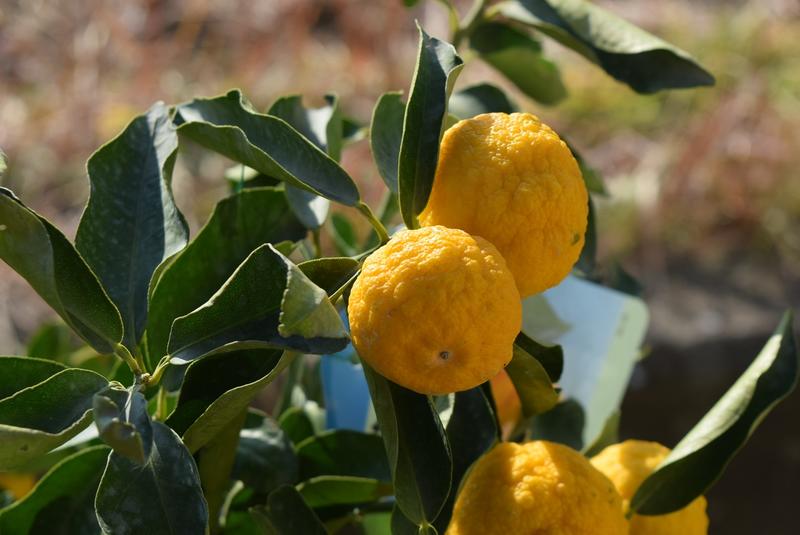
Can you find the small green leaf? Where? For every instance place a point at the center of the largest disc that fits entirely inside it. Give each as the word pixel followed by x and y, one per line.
pixel 352 131
pixel 266 303
pixel 330 273
pixel 18 373
pixel 344 235
pixel 342 452
pixel 287 514
pixel 265 459
pixel 163 496
pixel 416 446
pixel 519 58
pixel 587 261
pixel 326 491
pixel 217 388
pixel 563 423
pixel 296 424
pixel 47 260
pixel 385 136
pixel 238 225
pixel 626 52
pixel 701 456
pixel 123 421
pixel 40 417
pixel 438 66
pixel 62 503
pixel 550 357
pixel 131 223
pixel 480 98
pixel 532 383
pixel 227 125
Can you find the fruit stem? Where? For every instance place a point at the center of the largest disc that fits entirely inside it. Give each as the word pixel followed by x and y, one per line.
pixel 122 352
pixel 383 234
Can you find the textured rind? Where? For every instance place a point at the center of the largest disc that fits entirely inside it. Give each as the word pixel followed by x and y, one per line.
pixel 538 488
pixel 510 179
pixel 435 310
pixel 628 464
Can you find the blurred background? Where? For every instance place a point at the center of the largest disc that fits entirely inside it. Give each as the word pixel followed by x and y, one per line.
pixel 704 205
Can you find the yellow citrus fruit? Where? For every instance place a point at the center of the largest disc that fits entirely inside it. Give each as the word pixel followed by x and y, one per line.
pixel 510 179
pixel 538 487
pixel 17 484
pixel 509 406
pixel 628 464
pixel 435 310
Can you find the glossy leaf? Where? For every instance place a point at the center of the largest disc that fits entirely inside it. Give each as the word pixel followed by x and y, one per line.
pixel 265 459
pixel 47 260
pixel 37 419
pixel 342 452
pixel 266 303
pixel 131 223
pixel 17 373
pixel 228 125
pixel 216 389
pixel 531 381
pixel 163 496
pixel 330 273
pixel 626 52
pixel 519 58
pixel 480 98
pixel 700 457
pixel 238 225
pixel 123 421
pixel 385 136
pixel 438 65
pixel 287 514
pixel 62 503
pixel 416 446
pixel 326 491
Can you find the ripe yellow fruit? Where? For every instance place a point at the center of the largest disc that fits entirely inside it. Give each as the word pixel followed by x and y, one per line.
pixel 17 484
pixel 509 406
pixel 628 464
pixel 435 310
pixel 537 487
pixel 511 180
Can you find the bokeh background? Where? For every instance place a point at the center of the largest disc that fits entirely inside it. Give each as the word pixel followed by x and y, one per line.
pixel 705 195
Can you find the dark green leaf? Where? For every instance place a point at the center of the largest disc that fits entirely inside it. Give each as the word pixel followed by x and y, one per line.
pixel 309 207
pixel 161 497
pixel 591 177
pixel 587 261
pixel 563 424
pixel 238 225
pixel 385 136
pixel 287 514
pixel 123 421
pixel 131 223
pixel 325 491
pixel 321 126
pixel 519 58
pixel 265 459
pixel 550 357
pixel 296 424
pixel 17 373
pixel 330 273
pixel 62 503
pixel 352 131
pixel 217 388
pixel 626 52
pixel 401 525
pixel 227 125
pixel 416 446
pixel 266 303
pixel 700 458
pixel 619 279
pixel 37 419
pixel 50 341
pixel 424 122
pixel 342 452
pixel 480 98
pixel 344 235
pixel 44 257
pixel 608 436
pixel 532 383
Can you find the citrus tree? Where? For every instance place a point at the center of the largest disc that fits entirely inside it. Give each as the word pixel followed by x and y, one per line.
pixel 147 427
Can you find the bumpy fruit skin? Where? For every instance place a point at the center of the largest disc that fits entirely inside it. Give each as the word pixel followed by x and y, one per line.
pixel 435 310
pixel 538 488
pixel 511 180
pixel 628 464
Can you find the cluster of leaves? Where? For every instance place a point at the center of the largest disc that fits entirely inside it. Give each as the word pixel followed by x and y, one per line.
pixel 181 334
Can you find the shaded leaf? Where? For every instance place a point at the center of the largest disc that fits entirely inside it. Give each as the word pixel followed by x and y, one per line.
pixel 238 225
pixel 265 459
pixel 438 65
pixel 519 58
pixel 416 446
pixel 47 260
pixel 550 357
pixel 531 380
pixel 701 456
pixel 287 514
pixel 123 421
pixel 385 136
pixel 296 424
pixel 266 303
pixel 131 223
pixel 587 261
pixel 626 52
pixel 50 341
pixel 352 131
pixel 325 491
pixel 330 273
pixel 309 208
pixel 342 452
pixel 62 503
pixel 344 235
pixel 37 419
pixel 608 436
pixel 18 373
pixel 563 423
pixel 227 125
pixel 163 496
pixel 480 98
